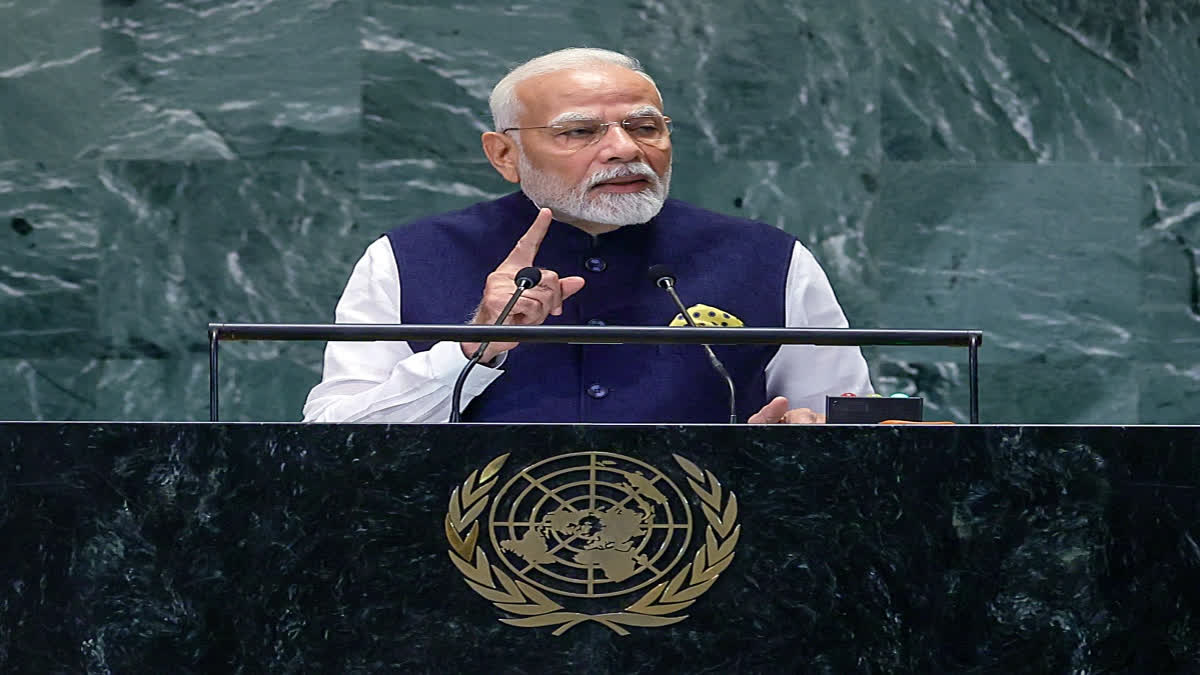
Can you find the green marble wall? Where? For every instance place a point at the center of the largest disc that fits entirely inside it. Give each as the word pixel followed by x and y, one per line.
pixel 1031 169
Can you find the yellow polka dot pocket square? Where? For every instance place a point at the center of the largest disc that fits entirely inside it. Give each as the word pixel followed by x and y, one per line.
pixel 708 317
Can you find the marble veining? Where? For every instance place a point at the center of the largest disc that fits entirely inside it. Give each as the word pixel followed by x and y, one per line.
pixel 239 548
pixel 1028 169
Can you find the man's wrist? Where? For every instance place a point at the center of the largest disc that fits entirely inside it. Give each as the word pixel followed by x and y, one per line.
pixel 489 356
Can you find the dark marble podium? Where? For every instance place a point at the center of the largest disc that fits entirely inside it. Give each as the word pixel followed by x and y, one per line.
pixel 195 548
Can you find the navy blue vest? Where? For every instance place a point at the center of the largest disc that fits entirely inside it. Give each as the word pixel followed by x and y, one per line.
pixel 736 265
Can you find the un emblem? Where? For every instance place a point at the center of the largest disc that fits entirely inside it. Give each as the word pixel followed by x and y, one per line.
pixel 589 528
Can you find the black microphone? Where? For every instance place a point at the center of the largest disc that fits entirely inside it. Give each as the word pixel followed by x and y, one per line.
pixel 664 278
pixel 527 278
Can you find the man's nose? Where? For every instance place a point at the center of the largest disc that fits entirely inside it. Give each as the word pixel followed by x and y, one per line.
pixel 618 146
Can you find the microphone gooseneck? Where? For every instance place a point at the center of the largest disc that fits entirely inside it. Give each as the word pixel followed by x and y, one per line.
pixel 526 278
pixel 664 278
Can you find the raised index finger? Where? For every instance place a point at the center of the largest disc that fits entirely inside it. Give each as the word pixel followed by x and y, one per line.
pixel 525 251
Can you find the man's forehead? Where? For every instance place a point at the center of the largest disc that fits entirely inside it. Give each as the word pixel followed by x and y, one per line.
pixel 583 91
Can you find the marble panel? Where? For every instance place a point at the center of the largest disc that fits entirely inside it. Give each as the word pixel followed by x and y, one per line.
pixel 1170 53
pixel 241 548
pixel 49 78
pixel 1041 389
pixel 49 258
pixel 213 79
pixel 170 388
pixel 259 386
pixel 1042 259
pixel 190 243
pixel 992 80
pixel 792 81
pixel 1169 311
pixel 428 72
pixel 395 192
pixel 428 68
pixel 778 108
pixel 1167 393
pixel 264 383
pixel 59 388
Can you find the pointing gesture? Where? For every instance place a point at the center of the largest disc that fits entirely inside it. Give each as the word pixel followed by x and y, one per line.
pixel 535 304
pixel 525 251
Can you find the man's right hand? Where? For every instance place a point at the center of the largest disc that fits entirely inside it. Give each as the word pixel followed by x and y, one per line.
pixel 535 304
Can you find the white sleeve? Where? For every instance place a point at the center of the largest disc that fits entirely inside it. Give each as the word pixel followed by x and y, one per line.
pixel 386 381
pixel 806 374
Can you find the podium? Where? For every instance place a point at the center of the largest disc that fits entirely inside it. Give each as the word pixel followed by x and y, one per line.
pixel 199 548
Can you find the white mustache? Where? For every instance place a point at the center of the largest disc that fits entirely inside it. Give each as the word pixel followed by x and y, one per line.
pixel 639 169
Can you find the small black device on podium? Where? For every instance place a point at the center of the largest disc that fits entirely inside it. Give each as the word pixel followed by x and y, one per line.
pixel 872 409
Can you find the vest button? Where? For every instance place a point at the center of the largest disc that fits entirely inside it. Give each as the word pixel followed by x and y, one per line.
pixel 596 322
pixel 595 264
pixel 597 391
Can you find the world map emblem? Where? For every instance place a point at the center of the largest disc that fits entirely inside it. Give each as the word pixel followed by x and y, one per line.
pixel 576 536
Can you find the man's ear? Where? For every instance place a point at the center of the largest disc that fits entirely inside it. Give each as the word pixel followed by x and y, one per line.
pixel 501 150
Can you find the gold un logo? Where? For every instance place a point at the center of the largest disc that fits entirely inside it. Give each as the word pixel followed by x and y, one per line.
pixel 587 529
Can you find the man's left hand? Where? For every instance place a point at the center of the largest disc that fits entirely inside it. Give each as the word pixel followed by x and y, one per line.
pixel 776 412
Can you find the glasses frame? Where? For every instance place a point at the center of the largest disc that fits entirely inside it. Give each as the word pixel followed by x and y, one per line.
pixel 562 126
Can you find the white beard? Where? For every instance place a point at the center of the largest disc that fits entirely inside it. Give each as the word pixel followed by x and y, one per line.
pixel 578 203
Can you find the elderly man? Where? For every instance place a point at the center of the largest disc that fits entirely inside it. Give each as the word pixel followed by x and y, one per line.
pixel 584 134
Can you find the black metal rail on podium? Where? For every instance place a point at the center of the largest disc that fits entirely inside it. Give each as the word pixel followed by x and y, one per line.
pixel 841 337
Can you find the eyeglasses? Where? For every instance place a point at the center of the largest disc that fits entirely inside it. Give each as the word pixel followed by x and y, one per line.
pixel 575 135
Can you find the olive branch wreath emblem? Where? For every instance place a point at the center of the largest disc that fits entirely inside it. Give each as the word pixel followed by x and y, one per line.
pixel 656 607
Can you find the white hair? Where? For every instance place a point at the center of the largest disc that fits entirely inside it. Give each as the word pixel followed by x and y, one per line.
pixel 506 107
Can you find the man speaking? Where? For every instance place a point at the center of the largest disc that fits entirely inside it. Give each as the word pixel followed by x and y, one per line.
pixel 584 133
